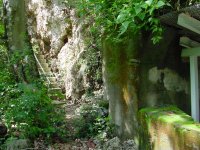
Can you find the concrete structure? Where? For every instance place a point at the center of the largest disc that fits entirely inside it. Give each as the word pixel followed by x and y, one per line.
pixel 168 128
pixel 187 20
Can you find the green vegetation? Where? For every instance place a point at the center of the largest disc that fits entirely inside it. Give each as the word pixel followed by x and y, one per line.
pixel 117 20
pixel 93 60
pixel 94 122
pixel 31 113
pixel 27 111
pixel 25 108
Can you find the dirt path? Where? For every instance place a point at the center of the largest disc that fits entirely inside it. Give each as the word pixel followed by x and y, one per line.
pixel 73 144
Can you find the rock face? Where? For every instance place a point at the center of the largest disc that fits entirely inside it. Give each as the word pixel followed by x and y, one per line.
pixel 53 26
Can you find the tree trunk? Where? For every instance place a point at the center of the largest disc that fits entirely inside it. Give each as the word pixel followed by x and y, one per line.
pixel 20 51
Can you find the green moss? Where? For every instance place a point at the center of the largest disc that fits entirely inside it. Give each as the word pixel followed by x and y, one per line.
pixel 117 58
pixel 191 126
pixel 171 115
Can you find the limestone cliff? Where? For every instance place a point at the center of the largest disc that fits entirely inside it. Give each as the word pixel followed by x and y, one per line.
pixel 53 25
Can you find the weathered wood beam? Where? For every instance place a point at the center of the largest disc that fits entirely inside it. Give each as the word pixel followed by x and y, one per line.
pixel 189 22
pixel 188 43
pixel 191 52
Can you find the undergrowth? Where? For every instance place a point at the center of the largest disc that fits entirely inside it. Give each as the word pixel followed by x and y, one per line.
pixel 94 122
pixel 26 110
pixel 28 113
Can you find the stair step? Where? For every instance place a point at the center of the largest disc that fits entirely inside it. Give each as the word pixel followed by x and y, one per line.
pixel 55 102
pixel 42 60
pixel 47 74
pixel 45 70
pixel 40 56
pixel 52 84
pixel 57 96
pixel 45 65
pixel 55 90
pixel 52 79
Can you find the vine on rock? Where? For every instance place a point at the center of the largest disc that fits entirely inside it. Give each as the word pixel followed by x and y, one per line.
pixel 118 19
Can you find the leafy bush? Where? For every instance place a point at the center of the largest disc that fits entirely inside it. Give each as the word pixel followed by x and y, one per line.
pixel 26 109
pixel 94 122
pixel 31 114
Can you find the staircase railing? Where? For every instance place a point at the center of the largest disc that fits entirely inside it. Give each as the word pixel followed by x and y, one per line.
pixel 49 82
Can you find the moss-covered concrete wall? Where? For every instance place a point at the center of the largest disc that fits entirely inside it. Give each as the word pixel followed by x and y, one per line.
pixel 120 83
pixel 138 74
pixel 164 75
pixel 168 128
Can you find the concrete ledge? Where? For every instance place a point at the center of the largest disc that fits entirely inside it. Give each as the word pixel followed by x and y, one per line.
pixel 168 128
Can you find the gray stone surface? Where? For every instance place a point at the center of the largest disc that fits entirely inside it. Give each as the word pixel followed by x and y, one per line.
pixel 58 32
pixel 17 144
pixel 164 75
pixel 130 145
pixel 113 144
pixel 116 144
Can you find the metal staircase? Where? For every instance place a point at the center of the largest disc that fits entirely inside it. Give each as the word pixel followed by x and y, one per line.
pixel 54 91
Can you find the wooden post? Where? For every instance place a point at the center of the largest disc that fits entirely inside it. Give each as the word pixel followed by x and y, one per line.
pixel 194 87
